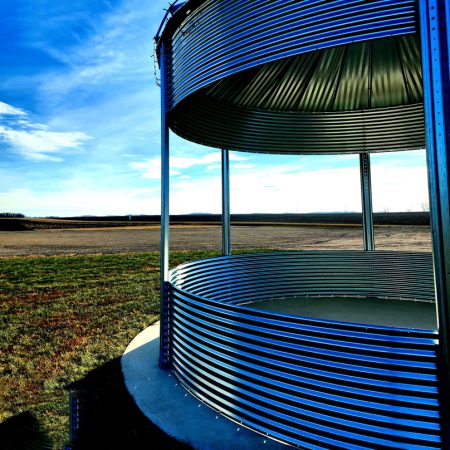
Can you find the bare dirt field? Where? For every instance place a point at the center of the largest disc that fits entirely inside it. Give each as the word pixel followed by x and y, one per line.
pixel 143 239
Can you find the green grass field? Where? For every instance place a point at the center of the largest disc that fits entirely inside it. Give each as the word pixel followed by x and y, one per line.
pixel 63 318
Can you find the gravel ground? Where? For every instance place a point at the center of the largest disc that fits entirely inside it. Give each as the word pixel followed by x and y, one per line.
pixel 143 239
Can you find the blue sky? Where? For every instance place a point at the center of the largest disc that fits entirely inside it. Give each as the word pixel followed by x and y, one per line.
pixel 79 128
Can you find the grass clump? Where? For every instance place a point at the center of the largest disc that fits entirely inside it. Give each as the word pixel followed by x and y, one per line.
pixel 62 317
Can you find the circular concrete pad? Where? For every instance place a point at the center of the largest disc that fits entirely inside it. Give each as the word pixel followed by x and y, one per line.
pixel 368 311
pixel 170 407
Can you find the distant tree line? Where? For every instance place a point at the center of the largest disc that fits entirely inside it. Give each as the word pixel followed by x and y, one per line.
pixel 11 214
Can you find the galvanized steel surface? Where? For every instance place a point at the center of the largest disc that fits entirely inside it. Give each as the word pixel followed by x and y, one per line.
pixel 226 222
pixel 222 125
pixel 305 381
pixel 165 217
pixel 223 37
pixel 435 35
pixel 374 74
pixel 366 201
pixel 296 76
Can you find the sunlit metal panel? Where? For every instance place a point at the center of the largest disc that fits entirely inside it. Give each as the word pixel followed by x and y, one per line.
pixel 309 382
pixel 435 34
pixel 255 60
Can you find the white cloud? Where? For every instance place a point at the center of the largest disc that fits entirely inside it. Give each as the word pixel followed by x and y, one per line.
pixel 76 201
pixel 34 140
pixel 40 145
pixel 9 110
pixel 236 157
pixel 274 189
pixel 152 168
pixel 112 54
pixel 292 188
pixel 396 188
pixel 243 166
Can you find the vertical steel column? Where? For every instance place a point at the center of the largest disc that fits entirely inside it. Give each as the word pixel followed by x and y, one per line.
pixel 164 246
pixel 366 200
pixel 435 41
pixel 226 244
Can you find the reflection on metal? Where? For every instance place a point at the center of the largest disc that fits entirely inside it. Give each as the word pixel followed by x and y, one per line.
pixel 308 382
pixel 366 200
pixel 366 75
pixel 224 37
pixel 435 36
pixel 226 244
pixel 311 76
pixel 164 246
pixel 317 91
pixel 297 77
pixel 375 130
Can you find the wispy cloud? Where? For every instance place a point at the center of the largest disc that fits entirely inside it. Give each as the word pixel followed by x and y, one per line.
pixel 152 167
pixel 109 54
pixel 8 110
pixel 80 87
pixel 34 140
pixel 243 166
pixel 278 189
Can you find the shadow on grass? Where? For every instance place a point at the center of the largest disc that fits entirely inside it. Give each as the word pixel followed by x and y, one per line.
pixel 23 432
pixel 108 416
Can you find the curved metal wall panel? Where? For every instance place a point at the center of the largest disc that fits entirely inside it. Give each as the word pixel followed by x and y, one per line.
pixel 219 38
pixel 308 382
pixel 222 125
pixel 296 76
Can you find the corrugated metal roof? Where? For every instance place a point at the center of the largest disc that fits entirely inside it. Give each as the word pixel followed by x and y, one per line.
pixel 296 76
pixel 359 97
pixel 374 74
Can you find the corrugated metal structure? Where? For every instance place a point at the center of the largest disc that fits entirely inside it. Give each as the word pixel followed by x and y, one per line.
pixel 250 65
pixel 308 382
pixel 302 77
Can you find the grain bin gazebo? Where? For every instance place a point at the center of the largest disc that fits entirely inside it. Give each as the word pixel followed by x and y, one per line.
pixel 308 77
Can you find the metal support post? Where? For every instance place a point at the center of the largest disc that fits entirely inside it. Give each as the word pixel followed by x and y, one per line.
pixel 366 200
pixel 164 248
pixel 435 40
pixel 226 245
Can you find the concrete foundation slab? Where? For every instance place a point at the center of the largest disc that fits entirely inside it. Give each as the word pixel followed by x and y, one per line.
pixel 170 407
pixel 371 311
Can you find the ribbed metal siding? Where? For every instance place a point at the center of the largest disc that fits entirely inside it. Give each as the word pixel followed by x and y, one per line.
pixel 378 130
pixel 308 382
pixel 375 74
pixel 223 37
pixel 308 56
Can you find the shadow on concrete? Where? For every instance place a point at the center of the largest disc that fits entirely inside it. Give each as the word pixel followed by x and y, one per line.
pixel 23 432
pixel 104 416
